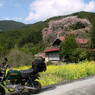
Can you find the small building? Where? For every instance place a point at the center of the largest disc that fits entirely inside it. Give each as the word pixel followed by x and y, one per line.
pixel 52 54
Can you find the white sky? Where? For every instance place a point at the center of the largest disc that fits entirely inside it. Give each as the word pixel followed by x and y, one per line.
pixel 43 9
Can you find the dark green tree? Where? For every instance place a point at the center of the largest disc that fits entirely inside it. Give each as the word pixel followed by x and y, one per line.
pixel 68 47
pixel 93 37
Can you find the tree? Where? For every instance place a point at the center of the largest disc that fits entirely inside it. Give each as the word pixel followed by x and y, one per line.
pixel 80 54
pixel 93 37
pixel 68 47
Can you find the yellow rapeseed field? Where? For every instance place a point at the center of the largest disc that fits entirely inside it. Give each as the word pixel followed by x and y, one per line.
pixel 59 73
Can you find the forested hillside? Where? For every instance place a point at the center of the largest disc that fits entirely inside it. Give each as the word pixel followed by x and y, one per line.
pixel 28 37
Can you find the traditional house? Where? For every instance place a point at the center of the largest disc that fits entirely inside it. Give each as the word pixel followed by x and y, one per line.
pixel 53 53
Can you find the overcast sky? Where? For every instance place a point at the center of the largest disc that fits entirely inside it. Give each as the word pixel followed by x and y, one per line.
pixel 31 11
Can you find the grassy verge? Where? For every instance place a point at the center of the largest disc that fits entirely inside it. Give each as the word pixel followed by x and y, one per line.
pixel 59 73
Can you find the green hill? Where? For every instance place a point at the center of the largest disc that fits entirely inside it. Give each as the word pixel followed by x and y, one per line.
pixel 30 35
pixel 6 25
pixel 88 15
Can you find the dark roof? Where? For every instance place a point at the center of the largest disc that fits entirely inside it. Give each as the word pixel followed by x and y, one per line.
pixel 58 40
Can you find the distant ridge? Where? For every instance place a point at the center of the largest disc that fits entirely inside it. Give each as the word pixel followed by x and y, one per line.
pixel 6 25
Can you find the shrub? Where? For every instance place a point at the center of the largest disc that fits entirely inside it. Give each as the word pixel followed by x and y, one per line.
pixel 92 35
pixel 18 58
pixel 80 54
pixel 68 47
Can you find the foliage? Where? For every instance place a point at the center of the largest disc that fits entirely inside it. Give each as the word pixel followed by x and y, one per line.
pixel 33 37
pixel 88 15
pixel 6 25
pixel 80 54
pixel 78 25
pixel 68 47
pixel 64 26
pixel 61 73
pixel 3 51
pixel 93 37
pixel 33 49
pixel 18 58
pixel 71 51
pixel 19 38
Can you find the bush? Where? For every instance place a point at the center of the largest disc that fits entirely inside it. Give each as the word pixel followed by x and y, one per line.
pixel 80 54
pixel 18 58
pixel 33 48
pixel 3 51
pixel 92 35
pixel 68 47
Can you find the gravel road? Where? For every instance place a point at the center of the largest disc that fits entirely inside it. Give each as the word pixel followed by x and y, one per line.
pixel 80 87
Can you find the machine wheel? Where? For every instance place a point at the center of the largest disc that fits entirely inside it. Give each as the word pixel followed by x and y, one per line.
pixel 37 87
pixel 2 91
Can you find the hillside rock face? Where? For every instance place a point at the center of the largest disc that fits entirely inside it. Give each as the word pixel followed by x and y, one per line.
pixel 68 25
